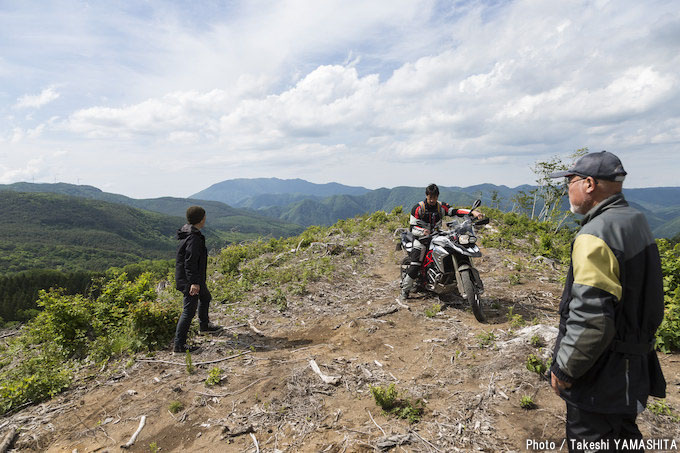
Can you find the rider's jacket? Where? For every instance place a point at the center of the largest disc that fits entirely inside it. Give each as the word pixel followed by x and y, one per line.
pixel 611 307
pixel 426 218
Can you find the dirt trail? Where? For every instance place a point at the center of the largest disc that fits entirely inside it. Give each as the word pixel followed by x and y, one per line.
pixel 271 396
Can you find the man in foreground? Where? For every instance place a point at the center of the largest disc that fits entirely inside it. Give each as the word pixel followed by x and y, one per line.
pixel 604 362
pixel 190 277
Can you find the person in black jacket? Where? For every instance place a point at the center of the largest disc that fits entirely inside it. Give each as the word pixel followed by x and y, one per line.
pixel 604 362
pixel 190 277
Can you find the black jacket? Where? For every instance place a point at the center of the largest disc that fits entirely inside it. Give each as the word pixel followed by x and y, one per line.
pixel 192 258
pixel 611 306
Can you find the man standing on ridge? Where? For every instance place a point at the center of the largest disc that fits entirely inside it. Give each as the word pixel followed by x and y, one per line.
pixel 426 217
pixel 604 362
pixel 190 277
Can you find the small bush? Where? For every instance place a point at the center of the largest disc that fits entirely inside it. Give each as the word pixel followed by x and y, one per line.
pixel 536 341
pixel 486 339
pixel 175 407
pixel 660 407
pixel 527 403
pixel 516 320
pixel 189 364
pixel 214 376
pixel 536 364
pixel 389 400
pixel 432 311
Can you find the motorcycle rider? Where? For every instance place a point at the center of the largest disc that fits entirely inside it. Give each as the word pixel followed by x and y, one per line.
pixel 426 217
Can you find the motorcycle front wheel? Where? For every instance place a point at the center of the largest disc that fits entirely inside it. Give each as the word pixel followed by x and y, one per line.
pixel 472 296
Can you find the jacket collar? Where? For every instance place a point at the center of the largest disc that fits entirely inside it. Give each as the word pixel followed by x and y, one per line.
pixel 615 201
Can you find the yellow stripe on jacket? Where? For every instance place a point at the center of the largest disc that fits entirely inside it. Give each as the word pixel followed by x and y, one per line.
pixel 595 265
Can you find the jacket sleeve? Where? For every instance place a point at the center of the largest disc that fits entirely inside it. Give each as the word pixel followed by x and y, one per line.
pixel 454 211
pixel 590 324
pixel 192 256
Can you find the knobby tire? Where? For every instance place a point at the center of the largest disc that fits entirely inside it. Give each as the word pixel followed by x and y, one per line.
pixel 472 296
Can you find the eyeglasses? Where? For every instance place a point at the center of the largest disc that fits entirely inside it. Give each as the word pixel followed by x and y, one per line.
pixel 569 183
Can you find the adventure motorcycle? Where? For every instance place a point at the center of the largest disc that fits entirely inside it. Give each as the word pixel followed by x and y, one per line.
pixel 447 268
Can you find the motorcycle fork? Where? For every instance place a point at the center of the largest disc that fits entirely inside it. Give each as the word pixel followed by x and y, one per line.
pixel 466 264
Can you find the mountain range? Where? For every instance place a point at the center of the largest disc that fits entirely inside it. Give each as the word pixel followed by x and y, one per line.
pixel 304 203
pixel 82 224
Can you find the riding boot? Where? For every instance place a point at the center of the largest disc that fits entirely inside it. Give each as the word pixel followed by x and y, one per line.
pixel 406 286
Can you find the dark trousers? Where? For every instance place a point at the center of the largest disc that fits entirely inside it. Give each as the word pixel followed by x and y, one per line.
pixel 593 427
pixel 191 303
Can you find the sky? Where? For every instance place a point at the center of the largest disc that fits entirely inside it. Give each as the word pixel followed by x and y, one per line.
pixel 165 98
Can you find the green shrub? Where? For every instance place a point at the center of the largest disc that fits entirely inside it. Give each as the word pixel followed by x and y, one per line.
pixel 536 364
pixel 668 333
pixel 486 339
pixel 661 407
pixel 65 320
pixel 120 316
pixel 527 403
pixel 432 311
pixel 175 406
pixel 389 400
pixel 536 341
pixel 153 323
pixel 214 376
pixel 35 379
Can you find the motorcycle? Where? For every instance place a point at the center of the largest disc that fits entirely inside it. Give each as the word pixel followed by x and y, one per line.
pixel 447 268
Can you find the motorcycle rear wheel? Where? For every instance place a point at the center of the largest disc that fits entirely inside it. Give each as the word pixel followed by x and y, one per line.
pixel 472 296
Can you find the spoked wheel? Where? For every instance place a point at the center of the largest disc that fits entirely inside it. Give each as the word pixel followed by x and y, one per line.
pixel 472 296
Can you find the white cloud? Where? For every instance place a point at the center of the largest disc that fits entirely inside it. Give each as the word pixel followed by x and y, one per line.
pixel 38 100
pixel 266 84
pixel 31 169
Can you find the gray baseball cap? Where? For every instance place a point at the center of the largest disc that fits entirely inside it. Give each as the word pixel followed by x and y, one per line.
pixel 602 165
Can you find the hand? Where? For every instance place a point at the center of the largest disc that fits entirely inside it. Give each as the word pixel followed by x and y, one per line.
pixel 477 215
pixel 558 384
pixel 195 289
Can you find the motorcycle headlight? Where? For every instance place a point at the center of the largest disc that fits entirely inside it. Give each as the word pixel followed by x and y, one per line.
pixel 473 239
pixel 464 239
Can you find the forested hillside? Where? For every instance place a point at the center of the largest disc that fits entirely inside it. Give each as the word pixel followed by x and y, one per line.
pixel 225 225
pixel 61 232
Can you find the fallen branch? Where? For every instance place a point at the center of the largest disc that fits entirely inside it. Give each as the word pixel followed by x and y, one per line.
pixel 132 440
pixel 212 395
pixel 333 380
pixel 9 438
pixel 257 447
pixel 226 432
pixel 255 329
pixel 11 334
pixel 385 312
pixel 387 443
pixel 401 304
pixel 197 363
pixel 383 431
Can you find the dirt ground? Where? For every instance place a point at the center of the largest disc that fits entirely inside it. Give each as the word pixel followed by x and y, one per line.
pixel 270 399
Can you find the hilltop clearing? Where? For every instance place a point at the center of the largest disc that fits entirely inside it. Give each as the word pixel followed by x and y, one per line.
pixel 331 299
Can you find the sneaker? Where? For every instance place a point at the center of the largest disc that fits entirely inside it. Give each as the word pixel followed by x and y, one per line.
pixel 183 349
pixel 210 328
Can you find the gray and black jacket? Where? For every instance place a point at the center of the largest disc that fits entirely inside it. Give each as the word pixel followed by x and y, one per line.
pixel 611 306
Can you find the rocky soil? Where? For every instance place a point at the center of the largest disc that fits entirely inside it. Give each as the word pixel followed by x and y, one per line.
pixel 471 376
